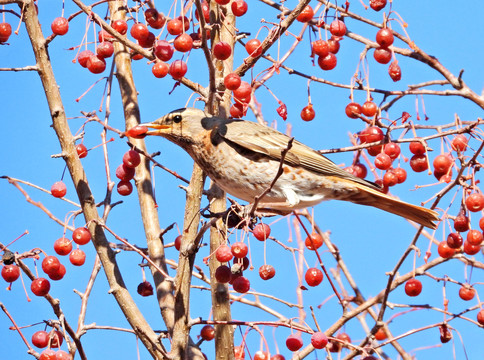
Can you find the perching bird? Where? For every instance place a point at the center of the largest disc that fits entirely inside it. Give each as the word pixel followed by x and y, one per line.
pixel 243 158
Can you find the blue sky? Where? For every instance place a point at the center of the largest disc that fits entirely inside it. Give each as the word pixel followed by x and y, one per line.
pixel 369 240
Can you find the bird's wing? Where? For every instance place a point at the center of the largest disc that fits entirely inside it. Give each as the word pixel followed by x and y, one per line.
pixel 265 140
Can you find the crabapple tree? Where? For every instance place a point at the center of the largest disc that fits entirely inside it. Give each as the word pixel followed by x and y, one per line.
pixel 131 251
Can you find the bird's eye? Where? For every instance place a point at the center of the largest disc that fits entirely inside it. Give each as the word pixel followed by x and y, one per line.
pixel 177 118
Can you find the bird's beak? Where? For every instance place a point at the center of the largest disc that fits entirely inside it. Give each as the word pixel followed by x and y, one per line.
pixel 159 129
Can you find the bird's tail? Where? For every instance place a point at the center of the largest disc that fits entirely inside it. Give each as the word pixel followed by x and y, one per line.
pixel 375 198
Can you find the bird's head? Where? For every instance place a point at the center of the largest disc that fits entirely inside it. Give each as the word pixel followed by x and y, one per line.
pixel 181 126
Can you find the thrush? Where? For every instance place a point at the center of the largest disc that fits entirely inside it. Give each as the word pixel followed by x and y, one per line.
pixel 243 158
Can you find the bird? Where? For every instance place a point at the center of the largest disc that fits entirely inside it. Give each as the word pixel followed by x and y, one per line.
pixel 244 157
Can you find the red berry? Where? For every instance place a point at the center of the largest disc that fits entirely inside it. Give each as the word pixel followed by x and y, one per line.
pixel 392 150
pixel 207 333
pixel 380 335
pixel 237 111
pixel 81 151
pixel 59 274
pixel 50 264
pixel 105 49
pixel 124 173
pixel 333 45
pixel 131 158
pixel 459 143
pixel 320 48
pixel 467 293
pixel 239 249
pixel 183 42
pixel 59 189
pixel 253 47
pixel 401 174
pixel 336 346
pixel 375 150
pixel 223 274
pixel 160 69
pixel 480 317
pixel 60 26
pixel 313 276
pixel 417 148
pixel 358 170
pixel 419 163
pixel 185 21
pixel 137 132
pixel 222 2
pixel 470 249
pixel 384 37
pixel 139 31
pixel 174 27
pixel 77 257
pixel 120 26
pixel 475 202
pixel 390 179
pixel 261 231
pixel 154 18
pixel 178 242
pixel 328 62
pixel 413 287
pixel 62 355
pixel 481 223
pixel 382 55
pixel 369 108
pixel 353 110
pixel 319 340
pixel 83 57
pixel 96 64
pixel 222 50
pixel 260 355
pixel 10 273
pixel 274 357
pixel 239 7
pixel 383 161
pixel 62 246
pixel 395 71
pixel 5 32
pixel 294 342
pixel 124 188
pixel 40 286
pixel 163 50
pixel 371 134
pixel 81 236
pixel 314 241
pixel 48 354
pixel 145 289
pixel 282 110
pixel 306 15
pixel 267 272
pixel 444 250
pixel 475 237
pixel 454 240
pixel 308 113
pixel 337 28
pixel 377 5
pixel 232 81
pixel 178 69
pixel 148 42
pixel 442 163
pixel 461 223
pixel 224 253
pixel 103 35
pixel 241 284
pixel 205 11
pixel 243 91
pixel 40 339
